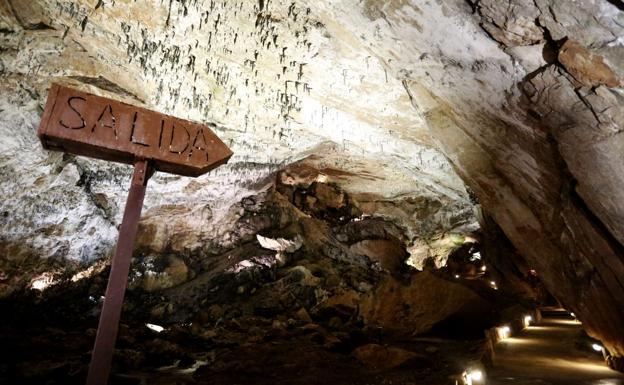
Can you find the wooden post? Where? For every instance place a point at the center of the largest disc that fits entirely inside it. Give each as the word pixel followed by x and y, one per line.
pixel 102 355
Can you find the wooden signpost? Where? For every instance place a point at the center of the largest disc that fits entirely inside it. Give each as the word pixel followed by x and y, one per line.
pixel 84 124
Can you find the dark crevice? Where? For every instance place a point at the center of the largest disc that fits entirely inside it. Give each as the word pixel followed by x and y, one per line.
pixel 473 5
pixel 38 26
pixel 568 188
pixel 551 47
pixel 531 75
pixel 596 222
pixel 587 105
pixel 619 4
pixel 106 85
pixel 168 14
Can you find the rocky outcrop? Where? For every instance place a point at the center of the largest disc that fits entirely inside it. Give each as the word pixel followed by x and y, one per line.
pixel 324 287
pixel 412 308
pixel 546 166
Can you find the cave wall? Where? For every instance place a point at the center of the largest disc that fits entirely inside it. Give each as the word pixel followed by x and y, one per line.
pixel 547 165
pixel 279 85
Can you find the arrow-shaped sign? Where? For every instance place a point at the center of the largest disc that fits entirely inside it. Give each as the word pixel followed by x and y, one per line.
pixel 84 124
pixel 90 125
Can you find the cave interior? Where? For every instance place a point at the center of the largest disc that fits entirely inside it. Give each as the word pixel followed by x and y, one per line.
pixel 419 192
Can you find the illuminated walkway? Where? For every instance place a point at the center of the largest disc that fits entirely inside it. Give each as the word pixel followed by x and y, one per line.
pixel 549 354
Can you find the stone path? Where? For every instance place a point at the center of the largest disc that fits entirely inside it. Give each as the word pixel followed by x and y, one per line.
pixel 550 353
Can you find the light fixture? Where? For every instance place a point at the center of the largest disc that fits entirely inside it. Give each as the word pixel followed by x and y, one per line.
pixel 473 376
pixel 572 314
pixel 476 375
pixel 483 268
pixel 493 283
pixel 504 332
pixel 43 281
pixel 456 275
pixel 597 347
pixel 527 320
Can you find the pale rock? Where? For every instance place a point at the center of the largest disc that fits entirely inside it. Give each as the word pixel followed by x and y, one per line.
pixel 280 244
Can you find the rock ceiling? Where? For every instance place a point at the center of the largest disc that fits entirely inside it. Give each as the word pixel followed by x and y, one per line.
pixel 403 103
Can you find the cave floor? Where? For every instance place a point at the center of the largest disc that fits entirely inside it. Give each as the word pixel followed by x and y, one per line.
pixel 550 353
pixel 553 352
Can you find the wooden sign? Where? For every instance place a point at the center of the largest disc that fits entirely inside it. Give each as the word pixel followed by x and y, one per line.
pixel 84 124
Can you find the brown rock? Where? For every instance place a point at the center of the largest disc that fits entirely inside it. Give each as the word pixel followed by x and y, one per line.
pixel 407 310
pixel 344 304
pixel 174 274
pixel 383 357
pixel 330 341
pixel 215 312
pixel 390 254
pixel 587 67
pixel 311 327
pixel 335 322
pixel 278 325
pixel 302 315
pixel 158 311
pixel 329 196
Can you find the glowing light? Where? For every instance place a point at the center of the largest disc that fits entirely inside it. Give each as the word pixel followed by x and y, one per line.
pixel 156 328
pixel 89 272
pixel 42 282
pixel 456 275
pixel 321 178
pixel 473 376
pixel 493 283
pixel 193 368
pixel 572 314
pixel 504 332
pixel 597 347
pixel 527 320
pixel 483 268
pixel 476 375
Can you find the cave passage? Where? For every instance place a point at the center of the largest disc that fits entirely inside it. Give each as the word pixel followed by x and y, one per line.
pixel 550 352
